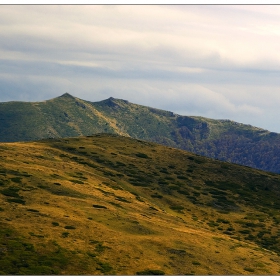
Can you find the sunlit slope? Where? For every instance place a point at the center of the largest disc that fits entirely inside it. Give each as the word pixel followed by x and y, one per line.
pixel 68 116
pixel 114 205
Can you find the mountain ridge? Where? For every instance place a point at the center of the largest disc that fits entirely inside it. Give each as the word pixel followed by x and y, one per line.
pixel 69 116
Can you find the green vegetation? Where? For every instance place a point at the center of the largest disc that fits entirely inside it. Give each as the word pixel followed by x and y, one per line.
pixel 177 207
pixel 105 268
pixel 19 257
pixel 68 116
pixel 150 272
pixel 65 234
pixel 69 227
pixel 99 206
pixel 141 155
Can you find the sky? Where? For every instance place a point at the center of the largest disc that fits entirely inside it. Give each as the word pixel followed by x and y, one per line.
pixel 215 61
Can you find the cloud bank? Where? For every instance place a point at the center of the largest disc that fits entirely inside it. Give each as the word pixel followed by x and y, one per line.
pixel 214 61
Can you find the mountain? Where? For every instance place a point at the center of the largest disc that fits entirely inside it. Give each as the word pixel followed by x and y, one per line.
pixel 68 116
pixel 109 204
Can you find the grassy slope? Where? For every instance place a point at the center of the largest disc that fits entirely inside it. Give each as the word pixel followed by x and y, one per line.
pixel 59 117
pixel 113 205
pixel 67 116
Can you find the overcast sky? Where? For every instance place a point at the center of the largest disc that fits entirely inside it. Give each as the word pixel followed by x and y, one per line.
pixel 216 61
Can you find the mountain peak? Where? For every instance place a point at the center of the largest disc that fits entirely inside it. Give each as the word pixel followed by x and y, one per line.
pixel 66 95
pixel 116 100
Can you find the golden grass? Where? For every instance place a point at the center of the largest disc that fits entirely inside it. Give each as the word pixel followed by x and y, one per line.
pixel 127 231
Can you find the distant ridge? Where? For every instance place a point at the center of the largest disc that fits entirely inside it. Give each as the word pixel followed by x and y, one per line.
pixel 69 116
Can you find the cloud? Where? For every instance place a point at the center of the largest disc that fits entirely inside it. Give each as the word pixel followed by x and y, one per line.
pixel 210 60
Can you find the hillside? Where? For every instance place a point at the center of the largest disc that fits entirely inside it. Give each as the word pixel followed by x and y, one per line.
pixel 68 116
pixel 108 204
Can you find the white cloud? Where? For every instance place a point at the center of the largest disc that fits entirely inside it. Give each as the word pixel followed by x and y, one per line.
pixel 214 61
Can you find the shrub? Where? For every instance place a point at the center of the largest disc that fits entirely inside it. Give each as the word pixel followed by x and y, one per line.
pixel 99 206
pixel 179 252
pixel 100 248
pixel 141 155
pixel 219 220
pixel 65 234
pixel 69 227
pixel 139 198
pixel 120 163
pixel 212 224
pixel 183 192
pixel 176 207
pixel 122 199
pixel 11 191
pixel 156 195
pixel 16 200
pixel 181 177
pixel 91 254
pixel 33 210
pixel 104 267
pixel 16 179
pixel 76 181
pixel 245 231
pixel 196 193
pixel 150 272
pixel 249 269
